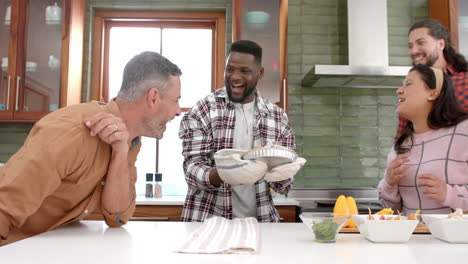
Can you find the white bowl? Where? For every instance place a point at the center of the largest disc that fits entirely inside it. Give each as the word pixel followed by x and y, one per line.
pixel 448 230
pixel 385 231
pixel 330 223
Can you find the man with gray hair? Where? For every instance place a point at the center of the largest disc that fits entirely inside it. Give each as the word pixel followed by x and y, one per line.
pixel 81 158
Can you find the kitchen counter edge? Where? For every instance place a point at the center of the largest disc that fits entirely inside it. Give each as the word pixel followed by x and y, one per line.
pixel 179 200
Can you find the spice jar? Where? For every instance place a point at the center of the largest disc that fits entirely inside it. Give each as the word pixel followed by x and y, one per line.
pixel 149 185
pixel 157 185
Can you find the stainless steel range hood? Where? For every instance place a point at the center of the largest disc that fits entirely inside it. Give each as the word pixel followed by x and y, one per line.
pixel 367 50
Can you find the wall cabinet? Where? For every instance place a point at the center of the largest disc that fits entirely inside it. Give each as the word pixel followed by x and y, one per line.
pixel 288 213
pixel 41 45
pixel 266 22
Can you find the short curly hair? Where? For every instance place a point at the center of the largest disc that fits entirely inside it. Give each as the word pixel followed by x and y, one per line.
pixel 247 46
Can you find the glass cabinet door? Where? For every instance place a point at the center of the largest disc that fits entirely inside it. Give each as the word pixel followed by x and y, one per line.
pixel 265 22
pixel 5 77
pixel 260 23
pixel 40 78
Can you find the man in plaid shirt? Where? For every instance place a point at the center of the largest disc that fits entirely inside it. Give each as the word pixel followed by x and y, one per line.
pixel 429 44
pixel 233 117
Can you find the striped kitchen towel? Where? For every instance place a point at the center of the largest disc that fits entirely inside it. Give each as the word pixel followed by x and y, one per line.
pixel 219 235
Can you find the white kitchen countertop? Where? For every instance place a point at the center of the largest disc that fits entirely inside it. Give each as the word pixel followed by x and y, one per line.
pixel 179 200
pixel 154 242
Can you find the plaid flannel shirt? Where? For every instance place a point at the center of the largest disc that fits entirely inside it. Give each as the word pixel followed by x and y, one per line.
pixel 460 84
pixel 208 127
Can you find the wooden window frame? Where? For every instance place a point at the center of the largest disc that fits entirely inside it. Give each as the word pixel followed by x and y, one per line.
pixel 104 19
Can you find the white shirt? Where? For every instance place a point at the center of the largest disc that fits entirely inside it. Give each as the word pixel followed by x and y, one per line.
pixel 244 203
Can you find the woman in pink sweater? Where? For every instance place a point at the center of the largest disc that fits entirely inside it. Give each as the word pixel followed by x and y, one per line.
pixel 428 166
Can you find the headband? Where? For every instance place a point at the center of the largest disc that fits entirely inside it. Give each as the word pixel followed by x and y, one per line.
pixel 439 76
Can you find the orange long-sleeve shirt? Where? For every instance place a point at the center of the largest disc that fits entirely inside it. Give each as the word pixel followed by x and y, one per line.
pixel 58 175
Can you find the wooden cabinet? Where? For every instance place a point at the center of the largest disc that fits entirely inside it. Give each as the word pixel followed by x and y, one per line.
pixel 288 213
pixel 41 44
pixel 266 22
pixel 157 213
pixel 446 12
pixel 148 213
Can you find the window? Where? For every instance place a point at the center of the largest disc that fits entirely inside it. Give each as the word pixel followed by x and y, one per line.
pixel 190 41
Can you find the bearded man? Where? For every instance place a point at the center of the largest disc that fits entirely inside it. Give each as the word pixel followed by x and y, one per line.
pixel 429 44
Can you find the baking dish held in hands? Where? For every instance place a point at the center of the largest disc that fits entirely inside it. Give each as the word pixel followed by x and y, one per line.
pixel 272 155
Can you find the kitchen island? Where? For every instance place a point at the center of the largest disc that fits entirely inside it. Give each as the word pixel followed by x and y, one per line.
pixel 154 242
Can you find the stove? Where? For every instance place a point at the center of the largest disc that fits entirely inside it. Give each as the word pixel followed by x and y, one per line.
pixel 323 199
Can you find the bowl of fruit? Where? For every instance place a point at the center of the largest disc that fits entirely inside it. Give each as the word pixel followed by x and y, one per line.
pixel 386 228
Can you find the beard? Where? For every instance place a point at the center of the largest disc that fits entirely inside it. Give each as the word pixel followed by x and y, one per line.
pixel 247 92
pixel 431 59
pixel 154 128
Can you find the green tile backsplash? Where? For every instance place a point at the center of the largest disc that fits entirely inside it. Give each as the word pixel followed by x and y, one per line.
pixel 344 133
pixel 12 137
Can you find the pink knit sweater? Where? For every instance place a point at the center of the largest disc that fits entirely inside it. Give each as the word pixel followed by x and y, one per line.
pixel 442 153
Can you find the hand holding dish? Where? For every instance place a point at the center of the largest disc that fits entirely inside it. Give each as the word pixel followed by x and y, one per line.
pixel 232 169
pixel 285 171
